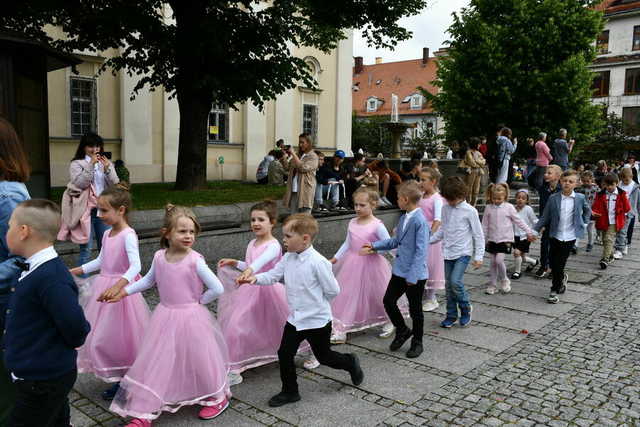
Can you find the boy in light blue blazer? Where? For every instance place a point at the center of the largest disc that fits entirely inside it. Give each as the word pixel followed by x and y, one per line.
pixel 409 273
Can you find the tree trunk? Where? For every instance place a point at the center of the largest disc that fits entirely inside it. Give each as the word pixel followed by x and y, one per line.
pixel 191 173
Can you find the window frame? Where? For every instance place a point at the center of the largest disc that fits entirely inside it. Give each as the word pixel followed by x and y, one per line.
pixel 626 111
pixel 313 129
pixel 369 102
pixel 218 110
pixel 416 102
pixel 92 100
pixel 602 47
pixel 636 81
pixel 635 41
pixel 605 82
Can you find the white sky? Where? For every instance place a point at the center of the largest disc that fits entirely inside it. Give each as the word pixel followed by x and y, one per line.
pixel 429 30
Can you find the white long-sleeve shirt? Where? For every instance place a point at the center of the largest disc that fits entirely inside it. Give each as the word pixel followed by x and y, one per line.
pixel 527 215
pixel 272 251
pixel 214 287
pixel 131 247
pixel 381 234
pixel 309 284
pixel 461 232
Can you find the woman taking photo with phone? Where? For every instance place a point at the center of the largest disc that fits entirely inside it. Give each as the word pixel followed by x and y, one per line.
pixel 90 173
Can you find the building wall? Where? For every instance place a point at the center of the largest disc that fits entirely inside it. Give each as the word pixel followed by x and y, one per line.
pixel 144 132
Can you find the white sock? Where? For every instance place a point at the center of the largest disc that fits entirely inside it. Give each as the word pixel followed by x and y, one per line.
pixel 518 263
pixel 529 260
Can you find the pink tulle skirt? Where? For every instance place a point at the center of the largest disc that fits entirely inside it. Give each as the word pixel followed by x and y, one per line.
pixel 435 265
pixel 363 282
pixel 183 361
pixel 252 319
pixel 117 332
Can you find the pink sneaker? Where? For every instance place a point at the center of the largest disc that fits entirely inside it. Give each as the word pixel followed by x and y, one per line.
pixel 139 422
pixel 210 412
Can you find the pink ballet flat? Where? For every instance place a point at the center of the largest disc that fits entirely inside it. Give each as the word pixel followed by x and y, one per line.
pixel 139 422
pixel 210 412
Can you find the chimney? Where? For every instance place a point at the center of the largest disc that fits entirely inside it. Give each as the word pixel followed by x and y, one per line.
pixel 359 67
pixel 378 60
pixel 425 55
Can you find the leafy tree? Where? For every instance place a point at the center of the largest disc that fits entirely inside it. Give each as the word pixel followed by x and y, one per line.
pixel 203 51
pixel 523 63
pixel 369 134
pixel 612 143
pixel 426 141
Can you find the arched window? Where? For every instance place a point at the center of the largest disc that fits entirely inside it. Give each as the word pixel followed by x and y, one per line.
pixel 314 67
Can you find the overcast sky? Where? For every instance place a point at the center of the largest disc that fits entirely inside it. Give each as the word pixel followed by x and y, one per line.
pixel 429 30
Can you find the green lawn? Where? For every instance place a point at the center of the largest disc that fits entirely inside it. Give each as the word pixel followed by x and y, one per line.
pixel 155 196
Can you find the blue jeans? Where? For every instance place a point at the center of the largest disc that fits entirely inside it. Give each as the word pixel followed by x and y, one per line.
pixel 96 229
pixel 457 295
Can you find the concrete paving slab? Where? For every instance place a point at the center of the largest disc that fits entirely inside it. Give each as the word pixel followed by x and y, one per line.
pixel 188 417
pixel 78 419
pixel 321 404
pixel 522 302
pixel 476 335
pixel 504 317
pixel 571 295
pixel 546 284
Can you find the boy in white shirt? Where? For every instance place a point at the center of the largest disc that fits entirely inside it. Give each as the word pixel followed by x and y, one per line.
pixel 310 287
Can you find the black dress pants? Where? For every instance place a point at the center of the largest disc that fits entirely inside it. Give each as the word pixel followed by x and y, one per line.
pixel 43 403
pixel 398 287
pixel 559 252
pixel 319 339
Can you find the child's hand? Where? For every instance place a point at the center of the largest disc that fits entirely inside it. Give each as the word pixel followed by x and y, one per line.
pixel 367 249
pixel 113 291
pixel 333 260
pixel 250 280
pixel 76 271
pixel 596 214
pixel 119 297
pixel 531 237
pixel 227 261
pixel 244 275
pixel 476 264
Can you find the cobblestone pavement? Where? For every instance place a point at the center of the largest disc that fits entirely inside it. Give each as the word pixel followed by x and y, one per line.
pixel 523 361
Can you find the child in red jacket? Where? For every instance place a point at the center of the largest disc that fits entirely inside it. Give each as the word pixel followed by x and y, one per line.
pixel 610 208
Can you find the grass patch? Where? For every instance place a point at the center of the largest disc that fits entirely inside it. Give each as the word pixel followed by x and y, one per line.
pixel 156 196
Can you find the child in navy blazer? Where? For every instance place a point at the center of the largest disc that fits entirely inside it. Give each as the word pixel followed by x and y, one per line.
pixel 409 273
pixel 566 216
pixel 44 322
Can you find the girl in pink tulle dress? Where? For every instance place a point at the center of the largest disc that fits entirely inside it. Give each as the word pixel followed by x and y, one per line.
pixel 183 359
pixel 431 205
pixel 363 278
pixel 117 330
pixel 252 317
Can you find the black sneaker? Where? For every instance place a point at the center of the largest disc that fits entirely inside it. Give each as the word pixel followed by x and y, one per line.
pixel 515 275
pixel 110 393
pixel 553 298
pixel 574 250
pixel 283 398
pixel 604 264
pixel 399 340
pixel 541 273
pixel 415 350
pixel 357 376
pixel 565 280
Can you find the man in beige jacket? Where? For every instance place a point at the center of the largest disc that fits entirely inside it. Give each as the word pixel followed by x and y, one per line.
pixel 301 185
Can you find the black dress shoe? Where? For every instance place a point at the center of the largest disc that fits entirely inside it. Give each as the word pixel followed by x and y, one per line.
pixel 357 376
pixel 415 350
pixel 283 398
pixel 401 338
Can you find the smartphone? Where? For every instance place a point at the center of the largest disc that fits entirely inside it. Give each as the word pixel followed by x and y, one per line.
pixel 106 154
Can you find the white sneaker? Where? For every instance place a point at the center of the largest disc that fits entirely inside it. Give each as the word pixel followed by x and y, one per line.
pixel 625 251
pixel 430 305
pixel 617 255
pixel 338 338
pixel 506 286
pixel 311 363
pixel 234 379
pixel 387 330
pixel 386 201
pixel 490 290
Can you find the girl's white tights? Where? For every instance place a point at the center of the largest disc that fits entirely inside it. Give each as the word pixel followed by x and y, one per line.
pixel 518 262
pixel 498 270
pixel 430 294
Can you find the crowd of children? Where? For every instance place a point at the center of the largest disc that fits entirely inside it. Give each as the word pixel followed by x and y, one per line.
pixel 270 303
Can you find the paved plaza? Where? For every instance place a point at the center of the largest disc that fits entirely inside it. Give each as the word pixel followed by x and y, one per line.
pixel 523 361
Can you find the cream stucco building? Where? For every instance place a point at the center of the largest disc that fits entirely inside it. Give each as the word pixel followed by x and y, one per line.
pixel 144 132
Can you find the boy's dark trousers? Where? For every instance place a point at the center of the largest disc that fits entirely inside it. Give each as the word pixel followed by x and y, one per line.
pixel 319 339
pixel 43 403
pixel 559 252
pixel 544 249
pixel 397 287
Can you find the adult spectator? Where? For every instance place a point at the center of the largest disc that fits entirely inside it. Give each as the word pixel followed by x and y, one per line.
pixel 505 149
pixel 529 152
pixel 631 163
pixel 483 148
pixel 388 181
pixel 322 183
pixel 90 173
pixel 277 171
pixel 354 175
pixel 123 174
pixel 14 172
pixel 601 171
pixel 262 174
pixel 280 145
pixel 543 158
pixel 301 182
pixel 561 150
pixel 332 172
pixel 493 162
pixel 474 161
pixel 411 170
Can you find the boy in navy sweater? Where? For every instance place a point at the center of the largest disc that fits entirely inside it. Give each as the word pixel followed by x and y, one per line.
pixel 44 322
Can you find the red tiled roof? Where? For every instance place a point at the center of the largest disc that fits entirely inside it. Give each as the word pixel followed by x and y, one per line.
pixel 401 78
pixel 616 6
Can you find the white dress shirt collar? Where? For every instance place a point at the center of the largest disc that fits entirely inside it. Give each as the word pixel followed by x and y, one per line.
pixel 39 258
pixel 572 195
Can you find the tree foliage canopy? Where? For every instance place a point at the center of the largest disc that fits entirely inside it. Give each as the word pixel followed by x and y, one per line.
pixel 522 63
